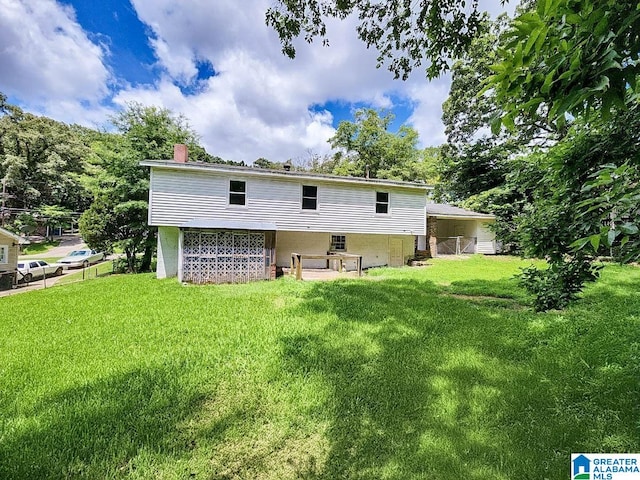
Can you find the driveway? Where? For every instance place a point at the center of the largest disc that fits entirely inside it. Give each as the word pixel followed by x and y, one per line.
pixel 35 285
pixel 68 243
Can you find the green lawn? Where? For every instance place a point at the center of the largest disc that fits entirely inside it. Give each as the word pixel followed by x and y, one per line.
pixel 440 372
pixel 90 273
pixel 39 248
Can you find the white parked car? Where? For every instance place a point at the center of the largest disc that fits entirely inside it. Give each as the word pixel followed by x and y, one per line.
pixel 82 258
pixel 31 269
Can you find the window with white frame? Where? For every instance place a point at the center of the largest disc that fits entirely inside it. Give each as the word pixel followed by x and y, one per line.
pixel 338 243
pixel 4 253
pixel 309 197
pixel 237 192
pixel 382 202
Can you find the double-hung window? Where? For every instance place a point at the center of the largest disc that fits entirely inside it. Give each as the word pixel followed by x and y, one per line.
pixel 338 243
pixel 237 192
pixel 4 254
pixel 382 202
pixel 309 197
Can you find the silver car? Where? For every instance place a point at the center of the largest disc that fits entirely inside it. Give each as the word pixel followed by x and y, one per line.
pixel 30 269
pixel 82 258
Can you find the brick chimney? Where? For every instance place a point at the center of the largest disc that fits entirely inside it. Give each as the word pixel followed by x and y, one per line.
pixel 180 153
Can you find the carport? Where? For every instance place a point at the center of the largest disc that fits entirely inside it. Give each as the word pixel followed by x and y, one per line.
pixel 454 231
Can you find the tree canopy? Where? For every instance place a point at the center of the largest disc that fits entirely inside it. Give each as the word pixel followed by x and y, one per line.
pixel 562 177
pixel 568 57
pixel 118 214
pixel 405 33
pixel 42 161
pixel 367 147
pixel 564 56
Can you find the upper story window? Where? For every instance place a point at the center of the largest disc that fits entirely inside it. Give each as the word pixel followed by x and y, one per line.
pixel 382 202
pixel 309 197
pixel 237 192
pixel 4 254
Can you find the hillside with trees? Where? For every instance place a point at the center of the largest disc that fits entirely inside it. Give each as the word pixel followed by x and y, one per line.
pixel 56 174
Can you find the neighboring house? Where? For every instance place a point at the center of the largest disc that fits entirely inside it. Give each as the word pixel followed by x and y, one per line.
pixel 220 223
pixel 453 230
pixel 9 245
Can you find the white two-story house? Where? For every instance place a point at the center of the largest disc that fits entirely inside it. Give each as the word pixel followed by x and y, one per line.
pixel 219 223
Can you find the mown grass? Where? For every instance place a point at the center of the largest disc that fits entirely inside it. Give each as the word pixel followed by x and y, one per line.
pixel 39 248
pixel 90 273
pixel 439 372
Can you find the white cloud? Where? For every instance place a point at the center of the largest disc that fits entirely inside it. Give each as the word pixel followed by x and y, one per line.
pixel 177 61
pixel 427 113
pixel 259 103
pixel 235 128
pixel 46 56
pixel 496 7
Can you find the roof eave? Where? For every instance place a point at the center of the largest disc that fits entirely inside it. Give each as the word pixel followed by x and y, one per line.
pixel 199 166
pixel 461 217
pixel 17 238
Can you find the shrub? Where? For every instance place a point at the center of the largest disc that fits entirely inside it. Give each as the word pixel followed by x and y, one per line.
pixel 560 284
pixel 120 265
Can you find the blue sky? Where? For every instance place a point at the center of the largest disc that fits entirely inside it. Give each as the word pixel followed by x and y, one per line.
pixel 213 61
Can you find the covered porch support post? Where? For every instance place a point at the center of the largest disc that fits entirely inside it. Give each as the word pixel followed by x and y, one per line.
pixel 432 234
pixel 180 255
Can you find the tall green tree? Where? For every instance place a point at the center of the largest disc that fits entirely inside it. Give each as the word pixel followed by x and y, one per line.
pixel 42 161
pixel 568 57
pixel 118 214
pixel 480 169
pixel 151 132
pixel 577 62
pixel 367 147
pixel 611 192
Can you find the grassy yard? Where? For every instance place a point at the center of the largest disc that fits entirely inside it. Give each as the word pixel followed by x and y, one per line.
pixel 90 273
pixel 439 373
pixel 39 248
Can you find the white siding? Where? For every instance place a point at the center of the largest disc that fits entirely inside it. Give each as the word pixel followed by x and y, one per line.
pixel 486 239
pixel 12 253
pixel 179 196
pixel 167 252
pixel 374 249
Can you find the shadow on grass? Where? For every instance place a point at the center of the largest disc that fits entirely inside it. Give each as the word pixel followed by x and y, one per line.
pixel 432 386
pixel 94 431
pixel 503 288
